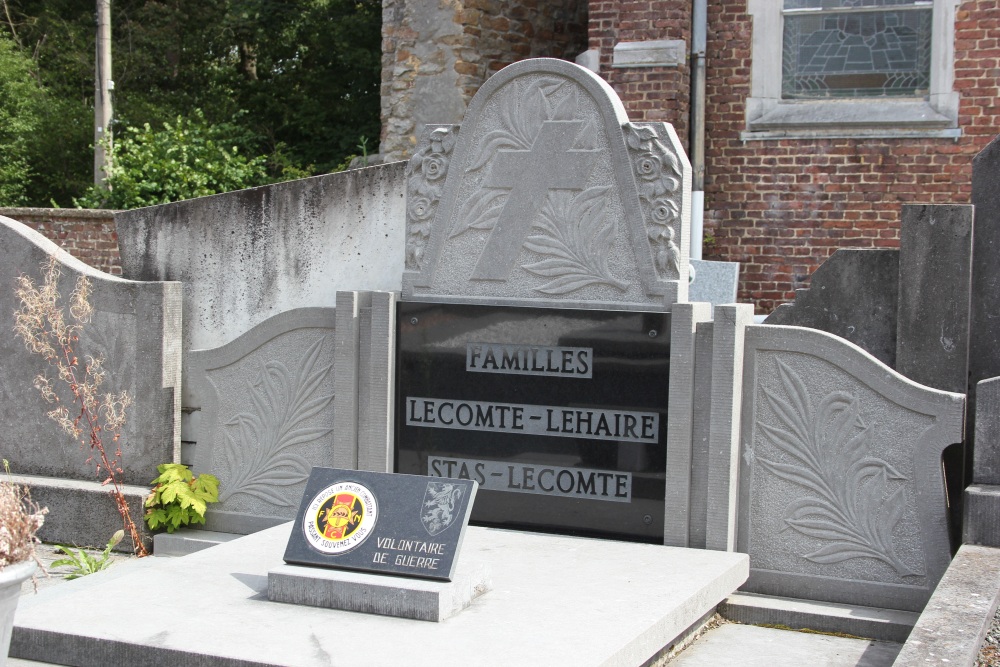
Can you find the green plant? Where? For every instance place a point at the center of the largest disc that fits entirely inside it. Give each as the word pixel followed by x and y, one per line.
pixel 84 563
pixel 363 145
pixel 179 498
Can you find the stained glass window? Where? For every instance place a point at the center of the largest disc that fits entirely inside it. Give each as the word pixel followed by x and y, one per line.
pixel 856 48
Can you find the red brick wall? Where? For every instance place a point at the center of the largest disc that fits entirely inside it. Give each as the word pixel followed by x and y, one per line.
pixel 781 207
pixel 88 235
pixel 649 93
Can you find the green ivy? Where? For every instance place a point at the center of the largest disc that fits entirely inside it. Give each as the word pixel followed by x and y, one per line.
pixel 179 498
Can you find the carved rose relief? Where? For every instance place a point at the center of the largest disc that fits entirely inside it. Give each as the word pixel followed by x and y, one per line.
pixel 426 173
pixel 658 175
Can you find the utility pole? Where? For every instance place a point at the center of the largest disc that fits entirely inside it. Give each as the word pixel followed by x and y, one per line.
pixel 103 86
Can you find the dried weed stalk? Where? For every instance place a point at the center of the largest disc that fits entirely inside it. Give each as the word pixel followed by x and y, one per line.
pixel 92 417
pixel 20 519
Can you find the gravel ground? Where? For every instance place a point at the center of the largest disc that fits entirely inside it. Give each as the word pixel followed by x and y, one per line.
pixel 989 656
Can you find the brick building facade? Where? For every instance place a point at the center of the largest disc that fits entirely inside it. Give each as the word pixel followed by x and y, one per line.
pixel 787 182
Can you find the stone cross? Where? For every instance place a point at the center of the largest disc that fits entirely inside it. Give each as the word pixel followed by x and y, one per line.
pixel 530 175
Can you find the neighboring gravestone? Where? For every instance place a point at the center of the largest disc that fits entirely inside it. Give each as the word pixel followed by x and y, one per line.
pixel 853 294
pixel 135 329
pixel 714 282
pixel 267 416
pixel 548 197
pixel 842 496
pixel 935 272
pixel 981 524
pixel 984 345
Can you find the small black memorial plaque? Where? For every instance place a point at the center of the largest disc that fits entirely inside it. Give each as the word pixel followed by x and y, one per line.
pixel 381 522
pixel 560 415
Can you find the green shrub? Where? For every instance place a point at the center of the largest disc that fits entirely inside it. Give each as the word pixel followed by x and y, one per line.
pixel 179 498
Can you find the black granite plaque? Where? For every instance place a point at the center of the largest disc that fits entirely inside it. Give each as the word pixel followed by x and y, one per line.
pixel 381 522
pixel 559 415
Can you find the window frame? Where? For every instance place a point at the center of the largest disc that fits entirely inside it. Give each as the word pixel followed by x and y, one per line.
pixel 769 116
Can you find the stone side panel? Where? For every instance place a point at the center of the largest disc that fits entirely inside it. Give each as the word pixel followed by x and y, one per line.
pixel 134 329
pixel 267 417
pixel 841 493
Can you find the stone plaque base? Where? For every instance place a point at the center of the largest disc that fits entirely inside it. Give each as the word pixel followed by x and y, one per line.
pixel 381 594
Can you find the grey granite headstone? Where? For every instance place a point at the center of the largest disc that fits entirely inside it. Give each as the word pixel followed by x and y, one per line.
pixel 981 511
pixel 548 196
pixel 135 329
pixel 267 417
pixel 984 332
pixel 935 269
pixel 841 492
pixel 853 294
pixel 714 282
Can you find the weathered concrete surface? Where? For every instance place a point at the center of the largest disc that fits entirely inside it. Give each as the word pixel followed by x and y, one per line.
pixel 135 329
pixel 853 294
pixel 245 256
pixel 633 600
pixel 952 627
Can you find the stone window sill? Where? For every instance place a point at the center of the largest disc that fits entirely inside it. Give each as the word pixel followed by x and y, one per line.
pixel 848 118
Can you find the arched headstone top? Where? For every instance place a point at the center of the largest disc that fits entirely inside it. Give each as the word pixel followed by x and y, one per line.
pixel 547 195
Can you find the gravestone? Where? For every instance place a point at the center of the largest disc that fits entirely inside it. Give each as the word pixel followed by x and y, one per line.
pixel 854 295
pixel 713 282
pixel 545 244
pixel 135 331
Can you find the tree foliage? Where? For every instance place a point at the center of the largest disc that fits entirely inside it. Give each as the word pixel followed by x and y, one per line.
pixel 20 103
pixel 293 81
pixel 185 159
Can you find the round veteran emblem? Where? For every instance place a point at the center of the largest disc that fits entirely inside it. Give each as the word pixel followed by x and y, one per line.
pixel 340 517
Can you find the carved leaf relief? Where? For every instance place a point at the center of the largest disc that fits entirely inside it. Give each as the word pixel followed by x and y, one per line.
pixel 576 234
pixel 259 449
pixel 854 500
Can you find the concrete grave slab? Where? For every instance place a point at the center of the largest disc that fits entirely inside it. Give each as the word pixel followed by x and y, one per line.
pixel 555 601
pixel 548 196
pixel 954 624
pixel 841 493
pixel 267 418
pixel 135 329
pixel 750 646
